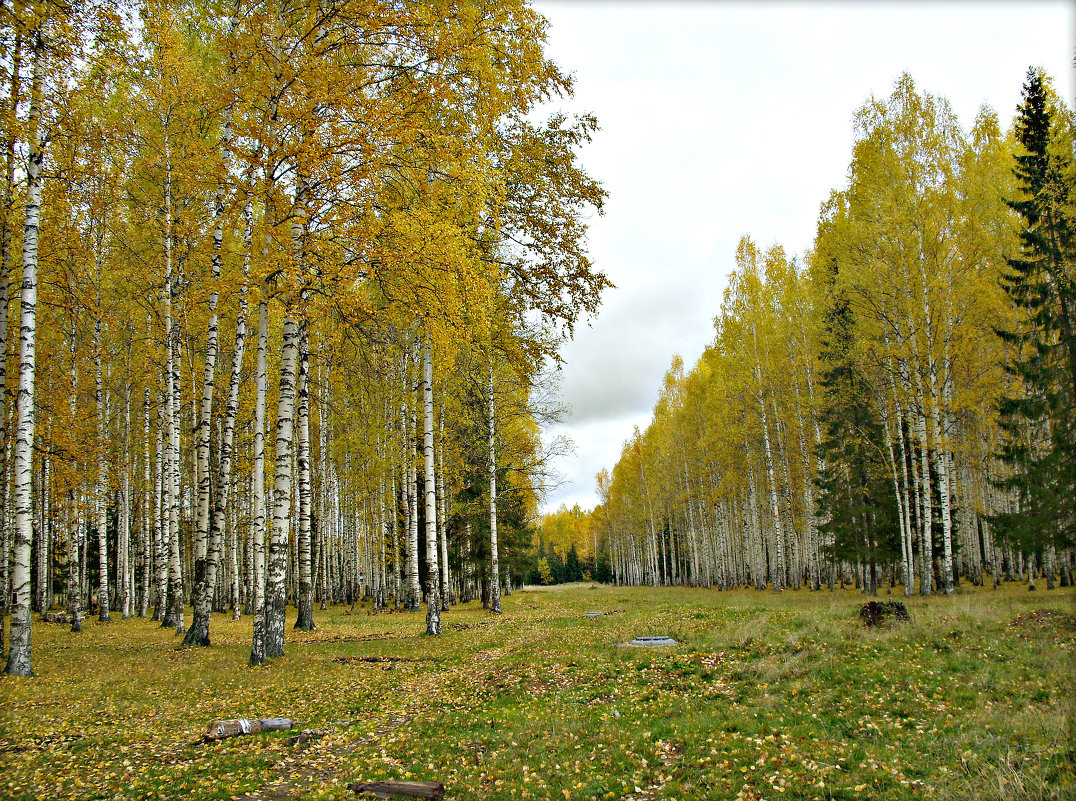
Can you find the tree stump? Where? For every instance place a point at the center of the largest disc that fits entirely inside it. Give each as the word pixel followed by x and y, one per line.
pixel 875 612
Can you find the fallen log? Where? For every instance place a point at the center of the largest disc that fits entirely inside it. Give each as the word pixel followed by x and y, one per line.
pixel 220 729
pixel 434 790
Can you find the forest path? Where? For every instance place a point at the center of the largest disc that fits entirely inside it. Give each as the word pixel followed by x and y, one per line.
pixel 317 761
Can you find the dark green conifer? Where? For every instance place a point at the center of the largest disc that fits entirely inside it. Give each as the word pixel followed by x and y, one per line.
pixel 1040 443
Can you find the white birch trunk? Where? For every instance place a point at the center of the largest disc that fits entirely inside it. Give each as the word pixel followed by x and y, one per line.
pixel 147 510
pixel 258 653
pixel 222 505
pixel 447 596
pixel 6 206
pixel 72 587
pixel 945 489
pixel 755 519
pixel 778 529
pixel 809 523
pixel 18 661
pixel 305 595
pixel 930 399
pixel 652 569
pixel 43 535
pixel 172 467
pixel 173 608
pixel 381 597
pixel 396 587
pixel 903 512
pixel 926 537
pixel 906 522
pixel 414 588
pixel 414 591
pixel 941 466
pixel 326 489
pixel 816 546
pixel 276 590
pixel 907 531
pixel 100 503
pixel 234 593
pixel 494 556
pixel 160 518
pixel 792 543
pixel 198 633
pixel 433 596
pixel 123 528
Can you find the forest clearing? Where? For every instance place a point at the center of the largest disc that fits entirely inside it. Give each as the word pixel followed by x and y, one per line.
pixel 766 695
pixel 290 390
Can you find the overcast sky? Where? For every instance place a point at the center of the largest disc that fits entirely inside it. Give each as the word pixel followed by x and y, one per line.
pixel 721 119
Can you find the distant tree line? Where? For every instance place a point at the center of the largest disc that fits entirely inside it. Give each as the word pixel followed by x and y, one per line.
pixel 897 406
pixel 565 548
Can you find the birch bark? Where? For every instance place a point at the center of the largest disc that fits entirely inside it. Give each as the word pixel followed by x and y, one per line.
pixel 257 650
pixel 18 661
pixel 72 587
pixel 41 547
pixel 147 510
pixel 447 596
pixel 174 608
pixel 100 503
pixel 778 529
pixel 7 208
pixel 276 595
pixel 494 556
pixel 160 519
pixel 433 595
pixel 198 633
pixel 123 526
pixel 305 618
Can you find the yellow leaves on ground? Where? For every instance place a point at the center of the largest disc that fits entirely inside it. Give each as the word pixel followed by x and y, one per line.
pixel 766 696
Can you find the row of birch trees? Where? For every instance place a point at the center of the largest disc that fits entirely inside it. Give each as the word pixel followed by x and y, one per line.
pixel 278 278
pixel 897 406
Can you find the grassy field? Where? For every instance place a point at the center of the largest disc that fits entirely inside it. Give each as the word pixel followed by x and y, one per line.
pixel 766 696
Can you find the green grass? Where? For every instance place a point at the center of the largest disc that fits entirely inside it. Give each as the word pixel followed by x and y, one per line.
pixel 766 696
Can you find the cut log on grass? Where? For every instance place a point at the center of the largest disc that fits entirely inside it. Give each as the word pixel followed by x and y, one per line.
pixel 434 790
pixel 221 729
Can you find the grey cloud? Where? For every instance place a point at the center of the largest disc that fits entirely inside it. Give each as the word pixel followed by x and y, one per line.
pixel 615 368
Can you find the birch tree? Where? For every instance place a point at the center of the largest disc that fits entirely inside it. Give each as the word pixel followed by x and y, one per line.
pixel 18 661
pixel 433 593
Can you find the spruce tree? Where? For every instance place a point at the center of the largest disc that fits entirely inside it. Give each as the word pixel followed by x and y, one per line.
pixel 855 505
pixel 1040 442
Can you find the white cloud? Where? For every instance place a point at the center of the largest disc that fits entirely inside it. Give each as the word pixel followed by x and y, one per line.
pixel 722 119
